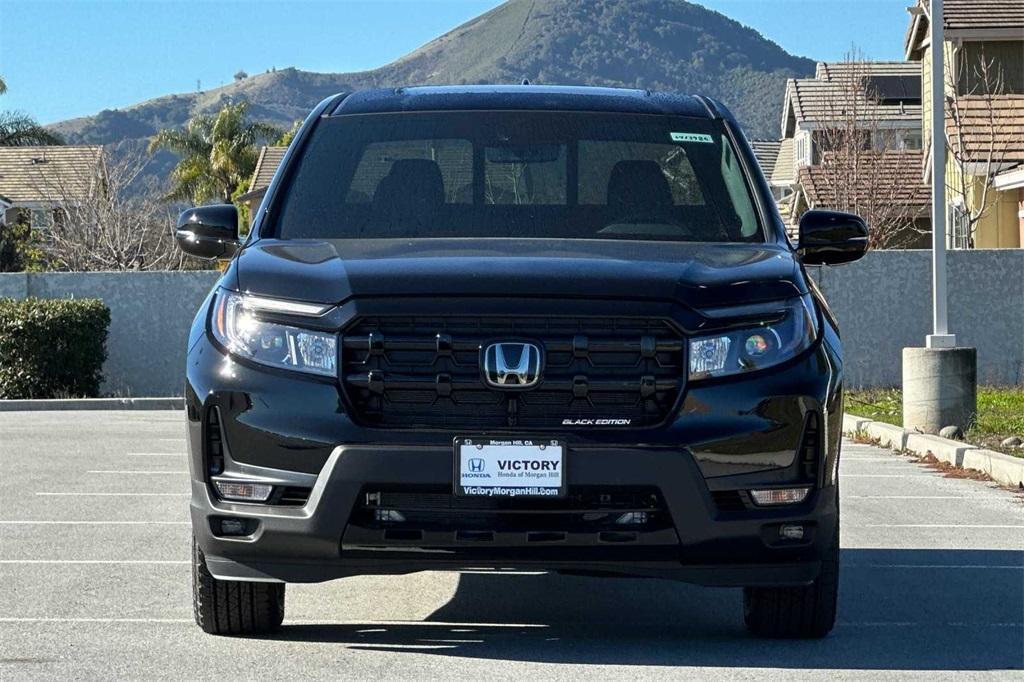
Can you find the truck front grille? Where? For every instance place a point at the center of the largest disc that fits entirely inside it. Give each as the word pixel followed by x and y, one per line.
pixel 588 515
pixel 424 372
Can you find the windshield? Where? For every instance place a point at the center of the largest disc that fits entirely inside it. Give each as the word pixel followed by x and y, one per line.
pixel 519 174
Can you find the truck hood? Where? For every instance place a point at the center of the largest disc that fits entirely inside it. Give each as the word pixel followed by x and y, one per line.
pixel 696 274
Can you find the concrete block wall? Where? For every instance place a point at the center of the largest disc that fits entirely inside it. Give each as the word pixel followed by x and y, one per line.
pixel 150 315
pixel 883 303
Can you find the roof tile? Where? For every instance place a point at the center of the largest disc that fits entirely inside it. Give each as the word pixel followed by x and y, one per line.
pixel 782 173
pixel 822 98
pixel 995 123
pixel 266 166
pixel 48 173
pixel 900 171
pixel 766 152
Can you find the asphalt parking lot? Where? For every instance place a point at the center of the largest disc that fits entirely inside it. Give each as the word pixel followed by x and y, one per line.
pixel 94 583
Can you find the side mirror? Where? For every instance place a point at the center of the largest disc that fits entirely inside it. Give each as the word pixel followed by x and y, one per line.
pixel 208 231
pixel 831 238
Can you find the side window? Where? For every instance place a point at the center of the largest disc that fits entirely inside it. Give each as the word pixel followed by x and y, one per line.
pixel 736 186
pixel 454 158
pixel 598 160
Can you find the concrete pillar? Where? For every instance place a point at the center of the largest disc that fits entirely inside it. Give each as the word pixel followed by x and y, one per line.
pixel 940 388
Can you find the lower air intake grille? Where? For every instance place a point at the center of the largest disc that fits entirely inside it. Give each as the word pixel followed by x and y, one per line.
pixel 292 496
pixel 214 442
pixel 419 372
pixel 729 500
pixel 594 508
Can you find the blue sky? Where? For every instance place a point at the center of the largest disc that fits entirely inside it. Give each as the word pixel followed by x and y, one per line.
pixel 64 58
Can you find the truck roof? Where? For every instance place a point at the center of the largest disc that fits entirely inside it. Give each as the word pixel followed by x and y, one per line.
pixel 524 97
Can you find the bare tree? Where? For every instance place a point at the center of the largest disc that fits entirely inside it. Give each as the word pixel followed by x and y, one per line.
pixel 973 132
pixel 113 220
pixel 864 165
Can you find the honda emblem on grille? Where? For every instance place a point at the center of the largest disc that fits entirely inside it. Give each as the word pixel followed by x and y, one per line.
pixel 511 365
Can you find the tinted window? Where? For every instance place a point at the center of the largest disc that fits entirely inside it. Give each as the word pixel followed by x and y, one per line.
pixel 454 159
pixel 525 174
pixel 598 159
pixel 518 174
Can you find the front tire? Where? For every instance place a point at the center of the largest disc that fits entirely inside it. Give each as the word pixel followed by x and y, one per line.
pixel 806 612
pixel 228 607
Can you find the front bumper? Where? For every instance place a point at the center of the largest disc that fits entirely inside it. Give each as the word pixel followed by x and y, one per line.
pixel 312 543
pixel 725 437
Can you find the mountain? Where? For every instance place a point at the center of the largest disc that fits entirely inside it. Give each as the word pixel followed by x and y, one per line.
pixel 655 44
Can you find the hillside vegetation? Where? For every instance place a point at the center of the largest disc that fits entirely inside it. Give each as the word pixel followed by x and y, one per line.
pixel 656 44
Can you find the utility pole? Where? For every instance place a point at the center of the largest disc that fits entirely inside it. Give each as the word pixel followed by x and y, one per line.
pixel 940 381
pixel 940 336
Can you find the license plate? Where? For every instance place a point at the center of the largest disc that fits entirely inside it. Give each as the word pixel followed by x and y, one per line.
pixel 494 467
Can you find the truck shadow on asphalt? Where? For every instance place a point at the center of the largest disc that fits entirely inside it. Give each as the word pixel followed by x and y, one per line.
pixel 899 609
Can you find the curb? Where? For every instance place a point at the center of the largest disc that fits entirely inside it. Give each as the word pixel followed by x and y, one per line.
pixel 1004 469
pixel 93 404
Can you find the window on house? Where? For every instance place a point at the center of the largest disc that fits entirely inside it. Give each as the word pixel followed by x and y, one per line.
pixel 958 235
pixel 896 139
pixel 803 150
pixel 911 139
pixel 895 89
pixel 781 192
pixel 40 219
pixel 1006 67
pixel 842 140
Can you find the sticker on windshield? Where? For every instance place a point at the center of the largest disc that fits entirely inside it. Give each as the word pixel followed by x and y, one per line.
pixel 692 137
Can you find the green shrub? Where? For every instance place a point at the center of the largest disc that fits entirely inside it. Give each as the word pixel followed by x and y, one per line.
pixel 52 348
pixel 21 247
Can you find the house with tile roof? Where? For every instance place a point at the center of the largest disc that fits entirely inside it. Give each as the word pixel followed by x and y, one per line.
pixel 767 154
pixel 889 182
pixel 36 181
pixel 984 116
pixel 266 165
pixel 880 99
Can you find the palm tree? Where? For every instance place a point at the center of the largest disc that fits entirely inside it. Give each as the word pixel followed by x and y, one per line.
pixel 20 130
pixel 218 154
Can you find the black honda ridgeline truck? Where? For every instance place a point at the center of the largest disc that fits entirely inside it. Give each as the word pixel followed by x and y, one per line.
pixel 545 328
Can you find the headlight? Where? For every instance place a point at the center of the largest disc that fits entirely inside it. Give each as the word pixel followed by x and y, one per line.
pixel 237 328
pixel 791 329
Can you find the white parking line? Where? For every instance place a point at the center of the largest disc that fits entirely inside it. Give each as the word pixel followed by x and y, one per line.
pixel 94 523
pixel 155 454
pixel 874 462
pixel 122 472
pixel 96 620
pixel 140 562
pixel 918 475
pixel 50 494
pixel 910 497
pixel 426 625
pixel 936 525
